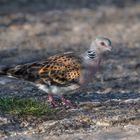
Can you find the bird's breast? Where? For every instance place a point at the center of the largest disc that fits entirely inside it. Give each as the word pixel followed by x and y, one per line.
pixel 89 71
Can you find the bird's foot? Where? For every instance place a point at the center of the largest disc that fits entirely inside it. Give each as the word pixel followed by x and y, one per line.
pixel 64 102
pixel 67 103
pixel 52 101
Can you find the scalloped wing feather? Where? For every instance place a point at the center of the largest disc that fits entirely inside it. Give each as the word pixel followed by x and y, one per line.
pixel 61 69
pixel 58 69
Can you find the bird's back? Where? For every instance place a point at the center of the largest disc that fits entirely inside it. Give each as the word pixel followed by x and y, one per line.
pixel 60 69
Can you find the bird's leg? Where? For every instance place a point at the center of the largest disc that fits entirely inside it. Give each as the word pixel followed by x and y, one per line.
pixel 51 100
pixel 50 96
pixel 67 102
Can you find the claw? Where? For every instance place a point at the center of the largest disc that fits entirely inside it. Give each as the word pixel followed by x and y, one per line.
pixel 64 102
pixel 67 102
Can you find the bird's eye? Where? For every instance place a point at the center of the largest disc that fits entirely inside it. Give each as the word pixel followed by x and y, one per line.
pixel 102 43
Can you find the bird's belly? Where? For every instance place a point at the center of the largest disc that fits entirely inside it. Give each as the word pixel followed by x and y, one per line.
pixel 43 87
pixel 61 90
pixel 57 90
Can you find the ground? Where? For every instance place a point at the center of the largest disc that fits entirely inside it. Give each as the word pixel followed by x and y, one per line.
pixel 109 108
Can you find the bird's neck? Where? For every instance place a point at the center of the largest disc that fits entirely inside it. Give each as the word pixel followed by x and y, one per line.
pixel 91 59
pixel 90 67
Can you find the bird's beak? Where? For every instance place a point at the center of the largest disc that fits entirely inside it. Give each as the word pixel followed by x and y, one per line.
pixel 109 48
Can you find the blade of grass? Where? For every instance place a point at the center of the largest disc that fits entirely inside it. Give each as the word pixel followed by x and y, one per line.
pixel 25 106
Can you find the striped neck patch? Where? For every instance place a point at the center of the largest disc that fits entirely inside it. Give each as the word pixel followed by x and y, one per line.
pixel 91 54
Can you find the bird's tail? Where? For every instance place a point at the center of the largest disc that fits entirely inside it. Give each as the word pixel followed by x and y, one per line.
pixel 4 70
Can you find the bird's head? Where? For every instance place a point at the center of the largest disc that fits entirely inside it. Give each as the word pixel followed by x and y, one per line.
pixel 103 44
pixel 99 46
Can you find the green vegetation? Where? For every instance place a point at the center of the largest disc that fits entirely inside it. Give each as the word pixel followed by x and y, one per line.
pixel 25 106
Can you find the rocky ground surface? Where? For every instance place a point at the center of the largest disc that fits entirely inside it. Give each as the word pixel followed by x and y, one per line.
pixel 108 108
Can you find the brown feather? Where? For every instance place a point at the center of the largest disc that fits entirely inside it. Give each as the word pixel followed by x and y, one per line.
pixel 59 69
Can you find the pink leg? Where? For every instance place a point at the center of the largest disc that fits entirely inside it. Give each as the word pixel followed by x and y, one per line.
pixel 67 102
pixel 51 100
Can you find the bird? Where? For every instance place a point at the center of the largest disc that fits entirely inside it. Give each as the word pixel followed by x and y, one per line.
pixel 62 72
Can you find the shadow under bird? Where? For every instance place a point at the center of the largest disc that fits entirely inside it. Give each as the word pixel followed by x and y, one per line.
pixel 63 72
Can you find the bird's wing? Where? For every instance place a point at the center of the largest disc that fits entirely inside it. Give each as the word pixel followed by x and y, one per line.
pixel 27 71
pixel 59 69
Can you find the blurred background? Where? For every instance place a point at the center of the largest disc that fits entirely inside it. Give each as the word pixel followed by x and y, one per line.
pixel 31 30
